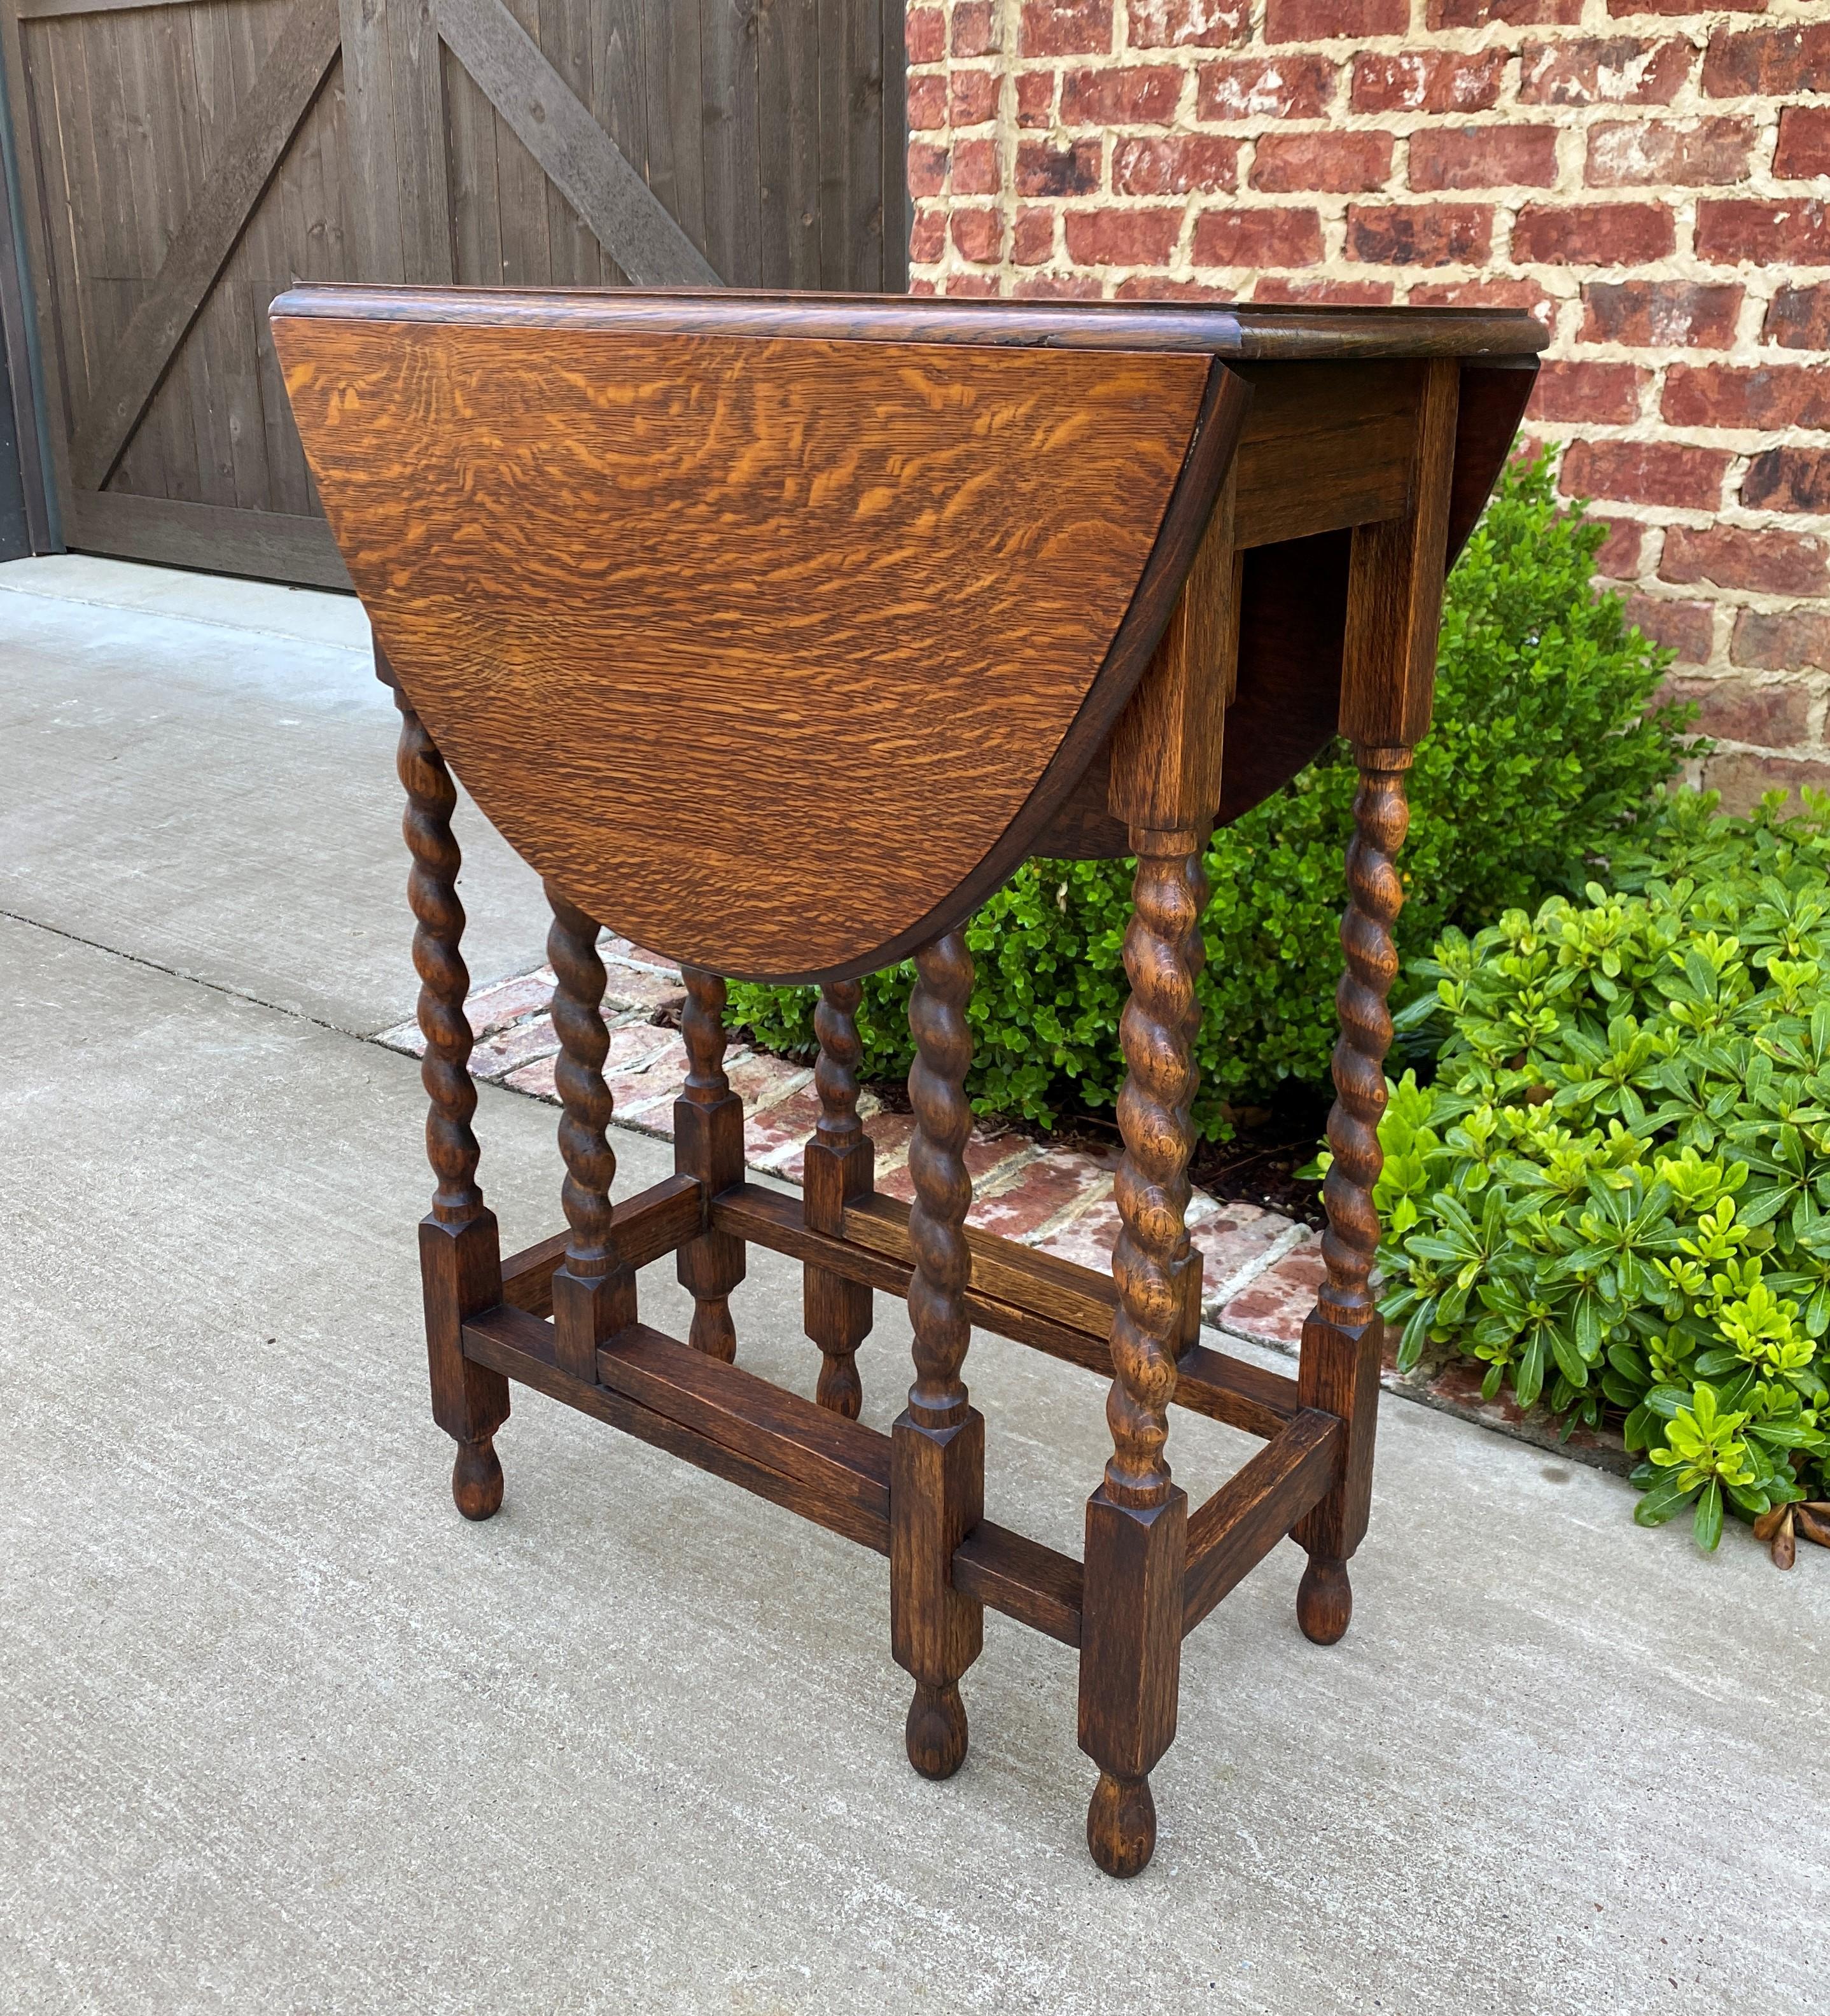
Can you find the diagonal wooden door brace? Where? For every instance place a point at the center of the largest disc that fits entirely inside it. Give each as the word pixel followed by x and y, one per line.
pixel 131 374
pixel 577 155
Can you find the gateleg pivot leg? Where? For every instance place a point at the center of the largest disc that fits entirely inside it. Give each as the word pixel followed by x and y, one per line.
pixel 1137 1520
pixel 708 1143
pixel 838 1168
pixel 937 1445
pixel 1388 672
pixel 460 1253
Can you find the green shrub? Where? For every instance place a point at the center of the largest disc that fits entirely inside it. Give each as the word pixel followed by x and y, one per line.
pixel 1542 754
pixel 1616 1192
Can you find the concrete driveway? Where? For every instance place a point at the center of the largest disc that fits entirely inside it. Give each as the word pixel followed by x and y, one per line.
pixel 282 1733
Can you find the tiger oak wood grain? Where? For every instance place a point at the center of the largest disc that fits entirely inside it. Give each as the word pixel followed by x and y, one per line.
pixel 632 582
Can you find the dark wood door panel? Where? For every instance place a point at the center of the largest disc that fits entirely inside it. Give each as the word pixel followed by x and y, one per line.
pixel 182 163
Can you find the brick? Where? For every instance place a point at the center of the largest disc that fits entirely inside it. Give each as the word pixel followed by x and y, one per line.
pixel 1734 228
pixel 1530 295
pixel 1121 237
pixel 1139 96
pixel 1592 234
pixel 1615 69
pixel 1042 1190
pixel 1687 7
pixel 1331 293
pixel 921 284
pixel 1742 779
pixel 1057 287
pixel 1241 237
pixel 1446 80
pixel 978 235
pixel 1775 713
pixel 1799 318
pixel 927 169
pixel 1787 640
pixel 1460 157
pixel 1273 1306
pixel 1420 234
pixel 927 235
pixel 975 287
pixel 1804 142
pixel 1618 557
pixel 1648 153
pixel 1174 164
pixel 1294 87
pixel 1513 14
pixel 1035 98
pixel 1032 237
pixel 927 104
pixel 1585 391
pixel 1767 63
pixel 1686 628
pixel 975 168
pixel 1666 473
pixel 1765 395
pixel 1787 479
pixel 1161 287
pixel 1042 169
pixel 1064 28
pixel 1317 20
pixel 924 34
pixel 971 97
pixel 1660 313
pixel 975 28
pixel 1731 556
pixel 1174 24
pixel 1338 162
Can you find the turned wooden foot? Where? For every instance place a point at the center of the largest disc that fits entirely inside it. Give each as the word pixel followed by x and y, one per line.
pixel 936 1731
pixel 713 1330
pixel 1325 1599
pixel 476 1479
pixel 1121 1824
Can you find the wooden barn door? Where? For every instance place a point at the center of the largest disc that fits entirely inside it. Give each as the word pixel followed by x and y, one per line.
pixel 183 161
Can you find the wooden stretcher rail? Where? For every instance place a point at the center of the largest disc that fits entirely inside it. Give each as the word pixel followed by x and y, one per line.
pixel 1052 1305
pixel 647 1227
pixel 806 1458
pixel 1233 1532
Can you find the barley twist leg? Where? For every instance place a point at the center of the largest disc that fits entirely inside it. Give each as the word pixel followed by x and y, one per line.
pixel 937 1445
pixel 1341 1340
pixel 460 1257
pixel 1136 1521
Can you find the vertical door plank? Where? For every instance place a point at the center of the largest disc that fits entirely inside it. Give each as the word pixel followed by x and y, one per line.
pixel 619 87
pixel 788 85
pixel 477 226
pixel 864 139
pixel 575 258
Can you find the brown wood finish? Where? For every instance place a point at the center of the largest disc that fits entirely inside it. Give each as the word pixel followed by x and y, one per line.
pixel 1394 604
pixel 1283 579
pixel 937 1445
pixel 1014 499
pixel 837 1169
pixel 1031 1284
pixel 708 1143
pixel 459 1251
pixel 1230 1535
pixel 646 1227
pixel 593 1292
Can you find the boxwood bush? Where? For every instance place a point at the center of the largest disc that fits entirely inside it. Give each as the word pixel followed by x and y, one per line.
pixel 1617 1191
pixel 1543 751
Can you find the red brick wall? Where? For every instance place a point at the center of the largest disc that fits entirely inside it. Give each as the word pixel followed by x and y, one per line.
pixel 1650 177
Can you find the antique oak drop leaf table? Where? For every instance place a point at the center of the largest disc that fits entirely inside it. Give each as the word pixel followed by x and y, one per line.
pixel 776 632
